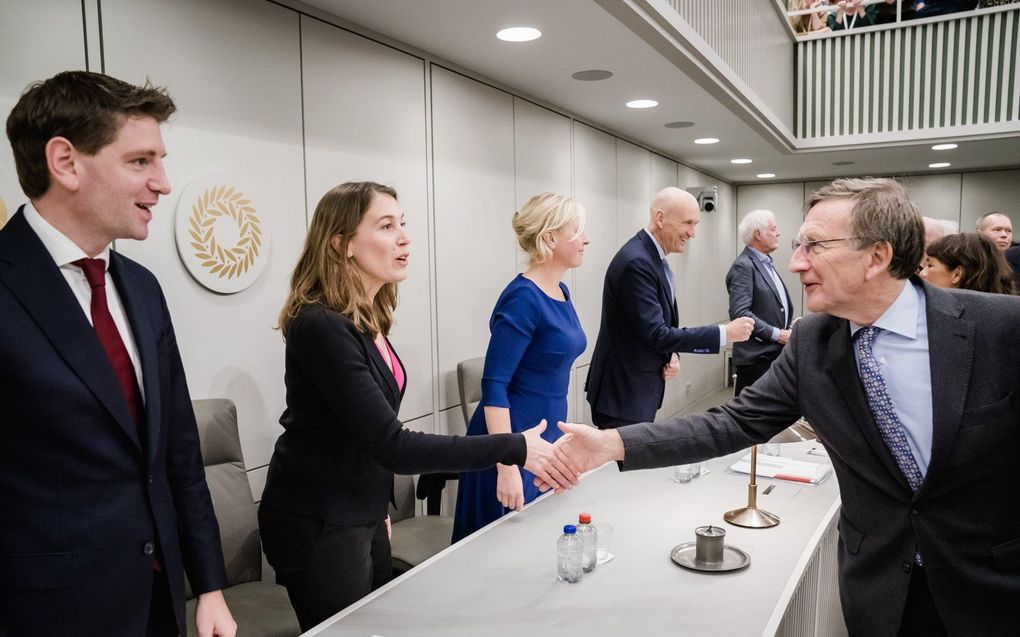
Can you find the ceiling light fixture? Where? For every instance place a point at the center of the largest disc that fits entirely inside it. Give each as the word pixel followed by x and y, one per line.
pixel 765 175
pixel 642 104
pixel 519 34
pixel 593 75
pixel 843 163
pixel 742 160
pixel 940 164
pixel 679 124
pixel 706 140
pixel 945 146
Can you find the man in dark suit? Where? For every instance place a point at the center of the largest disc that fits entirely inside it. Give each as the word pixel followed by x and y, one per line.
pixel 913 391
pixel 102 489
pixel 635 352
pixel 757 292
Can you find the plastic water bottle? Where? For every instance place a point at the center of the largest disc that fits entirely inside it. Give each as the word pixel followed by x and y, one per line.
pixel 568 555
pixel 589 542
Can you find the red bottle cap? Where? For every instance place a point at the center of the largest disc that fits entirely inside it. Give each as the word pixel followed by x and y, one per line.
pixel 584 518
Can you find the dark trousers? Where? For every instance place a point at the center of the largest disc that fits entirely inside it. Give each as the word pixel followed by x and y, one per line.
pixel 324 567
pixel 747 374
pixel 920 617
pixel 603 421
pixel 162 622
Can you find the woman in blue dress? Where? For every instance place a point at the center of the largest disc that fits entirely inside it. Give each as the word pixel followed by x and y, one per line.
pixel 535 337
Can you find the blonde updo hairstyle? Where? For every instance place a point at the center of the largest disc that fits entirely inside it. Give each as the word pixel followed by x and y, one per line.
pixel 541 215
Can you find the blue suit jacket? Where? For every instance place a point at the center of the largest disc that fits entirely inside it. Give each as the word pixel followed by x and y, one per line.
pixel 753 294
pixel 638 335
pixel 84 498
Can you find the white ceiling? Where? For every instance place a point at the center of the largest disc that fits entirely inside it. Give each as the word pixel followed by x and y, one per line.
pixel 579 35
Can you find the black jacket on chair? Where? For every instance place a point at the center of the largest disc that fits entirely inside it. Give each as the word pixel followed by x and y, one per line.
pixel 85 500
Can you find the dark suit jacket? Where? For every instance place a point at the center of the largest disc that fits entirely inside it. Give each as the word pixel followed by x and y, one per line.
pixel 964 518
pixel 638 335
pixel 83 497
pixel 753 294
pixel 1013 258
pixel 342 441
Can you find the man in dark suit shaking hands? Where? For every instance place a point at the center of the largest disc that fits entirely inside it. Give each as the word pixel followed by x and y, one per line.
pixel 757 292
pixel 635 352
pixel 913 391
pixel 102 491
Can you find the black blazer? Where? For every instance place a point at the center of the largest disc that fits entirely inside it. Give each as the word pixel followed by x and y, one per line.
pixel 753 293
pixel 342 441
pixel 638 335
pixel 964 517
pixel 83 498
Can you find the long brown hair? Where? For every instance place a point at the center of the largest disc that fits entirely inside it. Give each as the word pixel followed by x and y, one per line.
pixel 324 274
pixel 984 267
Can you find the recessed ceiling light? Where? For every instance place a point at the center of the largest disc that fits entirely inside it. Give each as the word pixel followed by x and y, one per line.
pixel 706 140
pixel 765 175
pixel 843 163
pixel 519 34
pixel 679 124
pixel 593 75
pixel 940 164
pixel 743 160
pixel 642 104
pixel 944 146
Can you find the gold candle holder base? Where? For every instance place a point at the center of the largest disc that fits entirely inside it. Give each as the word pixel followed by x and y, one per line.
pixel 751 516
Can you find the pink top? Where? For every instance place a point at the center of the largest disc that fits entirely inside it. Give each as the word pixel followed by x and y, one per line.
pixel 397 368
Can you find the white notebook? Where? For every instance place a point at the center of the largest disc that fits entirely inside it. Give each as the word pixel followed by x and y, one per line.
pixel 782 468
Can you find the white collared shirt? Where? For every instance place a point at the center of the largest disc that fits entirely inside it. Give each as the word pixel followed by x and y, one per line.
pixel 63 251
pixel 901 349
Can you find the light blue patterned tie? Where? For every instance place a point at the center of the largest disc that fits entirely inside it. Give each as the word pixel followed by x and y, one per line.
pixel 884 412
pixel 670 278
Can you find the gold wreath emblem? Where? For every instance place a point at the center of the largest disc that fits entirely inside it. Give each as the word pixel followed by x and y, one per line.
pixel 229 262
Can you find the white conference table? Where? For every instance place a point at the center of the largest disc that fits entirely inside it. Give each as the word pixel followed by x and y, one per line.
pixel 502 580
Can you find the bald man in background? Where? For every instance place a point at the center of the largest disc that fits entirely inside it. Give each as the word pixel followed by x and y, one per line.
pixel 635 352
pixel 997 227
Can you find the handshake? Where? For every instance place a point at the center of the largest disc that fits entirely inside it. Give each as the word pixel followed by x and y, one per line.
pixel 558 466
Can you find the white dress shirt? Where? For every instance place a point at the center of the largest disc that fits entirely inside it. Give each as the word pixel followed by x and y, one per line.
pixel 64 251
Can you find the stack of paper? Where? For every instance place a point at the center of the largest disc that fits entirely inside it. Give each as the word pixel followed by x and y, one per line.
pixel 784 469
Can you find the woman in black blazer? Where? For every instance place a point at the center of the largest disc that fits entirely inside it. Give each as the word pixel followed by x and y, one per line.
pixel 323 515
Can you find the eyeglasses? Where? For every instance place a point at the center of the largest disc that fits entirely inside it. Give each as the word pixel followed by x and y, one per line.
pixel 809 246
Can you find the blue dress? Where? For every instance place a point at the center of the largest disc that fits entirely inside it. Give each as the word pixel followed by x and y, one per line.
pixel 534 341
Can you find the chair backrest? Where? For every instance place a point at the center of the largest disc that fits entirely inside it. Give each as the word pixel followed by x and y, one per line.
pixel 235 509
pixel 403 494
pixel 469 382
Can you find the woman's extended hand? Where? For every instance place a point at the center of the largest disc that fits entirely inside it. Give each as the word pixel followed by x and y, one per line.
pixel 509 487
pixel 549 464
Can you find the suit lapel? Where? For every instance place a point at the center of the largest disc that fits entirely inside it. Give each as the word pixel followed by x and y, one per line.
pixel 146 337
pixel 951 357
pixel 653 255
pixel 843 370
pixel 382 370
pixel 767 276
pixel 34 279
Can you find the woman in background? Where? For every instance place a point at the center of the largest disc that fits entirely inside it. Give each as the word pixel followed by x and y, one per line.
pixel 323 515
pixel 968 261
pixel 535 337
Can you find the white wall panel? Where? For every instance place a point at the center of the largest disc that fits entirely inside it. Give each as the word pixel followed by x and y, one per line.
pixel 936 196
pixel 987 192
pixel 633 183
pixel 595 187
pixel 239 113
pixel 473 137
pixel 381 139
pixel 48 39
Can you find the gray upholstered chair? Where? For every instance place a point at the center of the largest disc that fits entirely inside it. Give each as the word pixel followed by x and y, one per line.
pixel 417 538
pixel 261 609
pixel 469 383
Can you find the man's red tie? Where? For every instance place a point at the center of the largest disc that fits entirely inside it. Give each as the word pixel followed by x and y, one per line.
pixel 109 336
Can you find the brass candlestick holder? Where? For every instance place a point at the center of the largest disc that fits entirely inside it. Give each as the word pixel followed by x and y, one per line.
pixel 751 516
